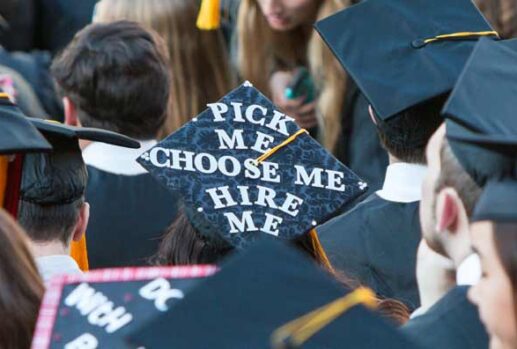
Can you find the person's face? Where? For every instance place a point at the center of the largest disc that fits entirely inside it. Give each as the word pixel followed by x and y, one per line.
pixel 284 15
pixel 493 294
pixel 428 202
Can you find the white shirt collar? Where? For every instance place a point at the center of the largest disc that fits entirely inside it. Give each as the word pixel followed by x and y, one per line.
pixel 50 266
pixel 468 272
pixel 403 182
pixel 116 160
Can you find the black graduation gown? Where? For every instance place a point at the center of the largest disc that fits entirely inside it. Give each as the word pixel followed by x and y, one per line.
pixel 376 244
pixel 452 323
pixel 358 145
pixel 128 216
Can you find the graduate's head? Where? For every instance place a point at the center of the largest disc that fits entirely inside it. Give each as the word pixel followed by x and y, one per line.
pixel 52 206
pixel 199 63
pixel 116 77
pixel 21 287
pixel 494 239
pixel 405 134
pixel 449 195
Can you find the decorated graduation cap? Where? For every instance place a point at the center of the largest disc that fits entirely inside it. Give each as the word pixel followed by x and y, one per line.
pixel 60 177
pixel 497 203
pixel 97 309
pixel 246 170
pixel 414 52
pixel 252 302
pixel 481 123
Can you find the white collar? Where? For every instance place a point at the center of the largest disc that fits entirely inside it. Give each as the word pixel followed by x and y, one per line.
pixel 50 266
pixel 116 160
pixel 403 182
pixel 469 271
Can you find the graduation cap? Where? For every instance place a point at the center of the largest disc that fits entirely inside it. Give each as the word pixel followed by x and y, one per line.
pixel 60 177
pixel 17 135
pixel 97 309
pixel 246 170
pixel 480 112
pixel 414 52
pixel 497 203
pixel 252 301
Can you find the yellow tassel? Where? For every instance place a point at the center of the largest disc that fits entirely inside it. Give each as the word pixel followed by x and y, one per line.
pixel 209 17
pixel 3 178
pixel 79 252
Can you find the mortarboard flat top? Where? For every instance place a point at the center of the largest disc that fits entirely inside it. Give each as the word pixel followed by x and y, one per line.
pixel 400 61
pixel 97 309
pixel 256 292
pixel 60 177
pixel 497 203
pixel 481 123
pixel 231 197
pixel 17 135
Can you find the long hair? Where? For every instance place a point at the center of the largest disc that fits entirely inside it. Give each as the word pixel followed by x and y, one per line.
pixel 263 51
pixel 502 14
pixel 199 61
pixel 505 240
pixel 21 288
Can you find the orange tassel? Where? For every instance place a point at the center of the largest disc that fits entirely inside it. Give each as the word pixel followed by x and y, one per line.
pixel 79 252
pixel 209 17
pixel 3 178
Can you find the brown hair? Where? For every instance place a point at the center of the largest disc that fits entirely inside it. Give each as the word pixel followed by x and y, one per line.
pixel 505 240
pixel 263 51
pixel 502 14
pixel 453 175
pixel 117 75
pixel 199 63
pixel 21 288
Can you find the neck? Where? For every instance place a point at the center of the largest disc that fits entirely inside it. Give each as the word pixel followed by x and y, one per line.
pixel 49 248
pixel 393 159
pixel 458 248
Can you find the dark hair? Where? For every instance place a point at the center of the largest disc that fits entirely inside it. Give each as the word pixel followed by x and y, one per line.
pixel 502 14
pixel 182 244
pixel 117 76
pixel 21 288
pixel 49 222
pixel 505 240
pixel 453 175
pixel 405 135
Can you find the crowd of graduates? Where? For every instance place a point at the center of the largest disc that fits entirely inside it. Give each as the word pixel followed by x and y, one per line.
pixel 258 174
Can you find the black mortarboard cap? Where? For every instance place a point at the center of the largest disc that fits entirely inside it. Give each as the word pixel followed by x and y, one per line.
pixel 17 135
pixel 256 292
pixel 497 203
pixel 415 50
pixel 481 123
pixel 97 309
pixel 60 177
pixel 297 185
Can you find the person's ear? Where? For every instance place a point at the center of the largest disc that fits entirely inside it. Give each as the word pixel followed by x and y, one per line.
pixel 71 118
pixel 447 210
pixel 372 114
pixel 82 222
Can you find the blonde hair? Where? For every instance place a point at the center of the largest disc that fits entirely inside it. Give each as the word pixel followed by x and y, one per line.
pixel 502 14
pixel 263 51
pixel 198 59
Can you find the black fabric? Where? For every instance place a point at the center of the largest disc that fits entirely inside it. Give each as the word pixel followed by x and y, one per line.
pixel 128 216
pixel 17 33
pixel 255 293
pixel 376 244
pixel 452 323
pixel 386 60
pixel 17 135
pixel 498 203
pixel 358 145
pixel 34 68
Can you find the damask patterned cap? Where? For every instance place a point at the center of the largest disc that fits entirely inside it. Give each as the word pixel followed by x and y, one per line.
pixel 246 170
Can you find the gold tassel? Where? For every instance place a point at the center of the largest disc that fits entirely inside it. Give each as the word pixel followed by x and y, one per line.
pixel 79 252
pixel 209 17
pixel 4 161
